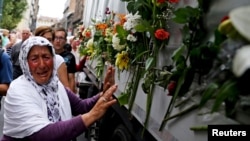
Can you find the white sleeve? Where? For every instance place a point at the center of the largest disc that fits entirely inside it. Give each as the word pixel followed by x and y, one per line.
pixel 59 61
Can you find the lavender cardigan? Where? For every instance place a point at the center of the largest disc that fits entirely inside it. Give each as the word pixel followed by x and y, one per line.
pixel 63 130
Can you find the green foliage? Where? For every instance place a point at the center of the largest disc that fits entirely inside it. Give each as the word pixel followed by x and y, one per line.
pixel 208 93
pixel 149 63
pixel 122 33
pixel 202 57
pixel 184 15
pixel 144 6
pixel 194 57
pixel 144 26
pixel 12 13
pixel 227 91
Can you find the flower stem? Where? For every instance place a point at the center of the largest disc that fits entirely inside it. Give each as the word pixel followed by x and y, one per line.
pixel 199 128
pixel 137 78
pixel 172 102
pixel 193 107
pixel 152 86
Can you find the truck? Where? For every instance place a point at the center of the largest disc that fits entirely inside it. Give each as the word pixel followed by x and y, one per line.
pixel 135 122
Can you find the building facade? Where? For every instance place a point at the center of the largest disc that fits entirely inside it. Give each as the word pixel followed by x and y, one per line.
pixel 29 16
pixel 44 20
pixel 68 15
pixel 72 16
pixel 78 15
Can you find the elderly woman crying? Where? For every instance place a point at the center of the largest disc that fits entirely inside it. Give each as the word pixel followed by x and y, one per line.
pixel 39 108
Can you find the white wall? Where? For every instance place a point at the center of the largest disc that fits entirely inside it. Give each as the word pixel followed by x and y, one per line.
pixel 95 9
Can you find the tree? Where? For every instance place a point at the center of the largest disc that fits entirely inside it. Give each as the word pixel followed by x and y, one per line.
pixel 12 13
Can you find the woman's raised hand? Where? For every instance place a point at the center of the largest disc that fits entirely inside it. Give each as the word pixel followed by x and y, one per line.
pixel 105 100
pixel 109 79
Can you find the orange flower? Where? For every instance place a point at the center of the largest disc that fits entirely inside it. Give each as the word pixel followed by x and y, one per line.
pixel 101 26
pixel 161 34
pixel 88 34
pixel 122 18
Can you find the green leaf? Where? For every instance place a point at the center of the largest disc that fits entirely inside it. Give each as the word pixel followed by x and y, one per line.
pixel 139 55
pixel 180 63
pixel 178 52
pixel 135 84
pixel 145 87
pixel 149 63
pixel 122 33
pixel 130 6
pixel 219 37
pixel 227 90
pixel 184 15
pixel 93 20
pixel 208 93
pixel 123 99
pixel 144 26
pixel 186 35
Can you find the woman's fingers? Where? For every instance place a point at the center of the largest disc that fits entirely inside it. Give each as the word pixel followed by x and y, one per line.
pixel 109 79
pixel 108 95
pixel 112 76
pixel 110 91
pixel 108 74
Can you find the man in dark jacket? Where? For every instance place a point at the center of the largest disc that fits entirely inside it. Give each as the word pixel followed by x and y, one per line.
pixel 70 60
pixel 15 54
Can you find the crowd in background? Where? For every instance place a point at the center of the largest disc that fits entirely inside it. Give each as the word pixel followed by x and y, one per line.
pixel 11 41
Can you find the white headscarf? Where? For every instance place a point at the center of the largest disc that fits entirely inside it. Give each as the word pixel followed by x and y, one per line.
pixel 47 91
pixel 28 106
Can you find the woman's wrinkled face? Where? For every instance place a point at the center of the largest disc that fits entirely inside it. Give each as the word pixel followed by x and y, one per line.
pixel 40 61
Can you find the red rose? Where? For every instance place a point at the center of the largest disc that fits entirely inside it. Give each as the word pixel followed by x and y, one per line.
pixel 224 18
pixel 171 87
pixel 161 34
pixel 173 1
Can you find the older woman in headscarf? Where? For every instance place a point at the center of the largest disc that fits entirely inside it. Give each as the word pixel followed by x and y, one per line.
pixel 39 108
pixel 48 33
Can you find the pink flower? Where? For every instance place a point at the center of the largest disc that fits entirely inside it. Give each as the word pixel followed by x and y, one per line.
pixel 107 11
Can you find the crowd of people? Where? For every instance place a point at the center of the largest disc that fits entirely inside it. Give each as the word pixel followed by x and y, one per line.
pixel 37 78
